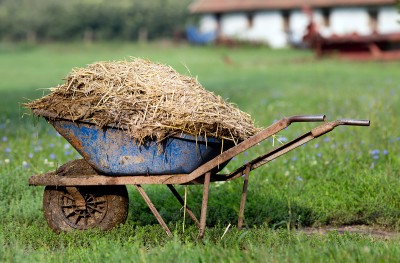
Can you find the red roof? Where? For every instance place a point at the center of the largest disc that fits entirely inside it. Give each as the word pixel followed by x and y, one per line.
pixel 223 6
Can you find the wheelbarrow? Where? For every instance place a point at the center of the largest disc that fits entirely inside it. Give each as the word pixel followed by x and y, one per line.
pixel 91 192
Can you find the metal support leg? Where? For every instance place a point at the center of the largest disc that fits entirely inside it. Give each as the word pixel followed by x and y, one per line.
pixel 77 196
pixel 182 202
pixel 204 205
pixel 153 209
pixel 244 195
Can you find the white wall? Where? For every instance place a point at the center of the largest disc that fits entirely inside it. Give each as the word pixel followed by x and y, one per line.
pixel 324 30
pixel 348 20
pixel 233 25
pixel 208 23
pixel 267 27
pixel 298 22
pixel 388 20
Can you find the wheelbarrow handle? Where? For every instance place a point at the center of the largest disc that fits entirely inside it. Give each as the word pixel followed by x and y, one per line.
pixel 275 153
pixel 306 118
pixel 328 126
pixel 354 122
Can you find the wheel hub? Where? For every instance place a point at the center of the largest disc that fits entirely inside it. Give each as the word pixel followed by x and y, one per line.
pixel 81 216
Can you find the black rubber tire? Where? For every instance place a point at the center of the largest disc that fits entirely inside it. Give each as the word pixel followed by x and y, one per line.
pixel 106 207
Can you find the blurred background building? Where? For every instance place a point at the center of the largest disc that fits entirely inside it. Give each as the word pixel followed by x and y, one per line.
pixel 355 28
pixel 279 22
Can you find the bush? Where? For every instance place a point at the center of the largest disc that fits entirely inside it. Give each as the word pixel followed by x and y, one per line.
pixel 56 20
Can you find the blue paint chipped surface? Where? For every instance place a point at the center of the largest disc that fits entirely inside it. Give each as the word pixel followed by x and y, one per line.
pixel 111 151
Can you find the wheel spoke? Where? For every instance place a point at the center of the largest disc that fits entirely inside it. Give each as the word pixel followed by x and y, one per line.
pixel 96 209
pixel 69 198
pixel 95 202
pixel 85 220
pixel 77 219
pixel 89 198
pixel 70 214
pixel 90 212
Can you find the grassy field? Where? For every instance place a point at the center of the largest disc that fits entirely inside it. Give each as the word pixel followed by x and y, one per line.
pixel 349 177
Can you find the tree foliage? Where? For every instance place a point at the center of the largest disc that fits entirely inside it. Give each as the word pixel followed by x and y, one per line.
pixel 66 20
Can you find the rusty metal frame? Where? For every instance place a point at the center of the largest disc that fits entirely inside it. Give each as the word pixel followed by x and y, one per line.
pixel 275 153
pixel 196 177
pixel 246 174
pixel 53 179
pixel 77 196
pixel 153 209
pixel 203 175
pixel 204 205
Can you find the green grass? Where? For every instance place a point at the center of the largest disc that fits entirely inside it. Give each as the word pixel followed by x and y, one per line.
pixel 347 177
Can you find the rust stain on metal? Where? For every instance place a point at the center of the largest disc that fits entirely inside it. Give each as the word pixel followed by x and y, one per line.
pixel 127 159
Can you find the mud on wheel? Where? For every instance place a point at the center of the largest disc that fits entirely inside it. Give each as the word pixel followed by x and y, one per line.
pixel 98 206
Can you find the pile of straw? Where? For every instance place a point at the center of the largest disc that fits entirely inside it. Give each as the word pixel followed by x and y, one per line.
pixel 147 100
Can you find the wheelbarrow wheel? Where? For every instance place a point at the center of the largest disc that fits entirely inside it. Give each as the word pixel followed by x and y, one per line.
pixel 104 207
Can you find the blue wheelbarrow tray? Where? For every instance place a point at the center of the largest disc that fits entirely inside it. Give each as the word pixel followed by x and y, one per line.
pixel 112 151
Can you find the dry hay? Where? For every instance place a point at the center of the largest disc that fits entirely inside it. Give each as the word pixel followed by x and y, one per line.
pixel 147 100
